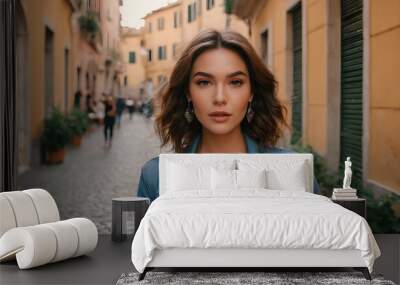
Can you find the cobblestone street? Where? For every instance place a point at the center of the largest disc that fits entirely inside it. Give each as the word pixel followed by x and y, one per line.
pixel 92 175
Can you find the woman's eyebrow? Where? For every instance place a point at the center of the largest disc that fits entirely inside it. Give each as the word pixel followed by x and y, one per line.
pixel 236 73
pixel 205 74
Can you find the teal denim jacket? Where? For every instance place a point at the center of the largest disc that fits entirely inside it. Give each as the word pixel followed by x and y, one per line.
pixel 149 185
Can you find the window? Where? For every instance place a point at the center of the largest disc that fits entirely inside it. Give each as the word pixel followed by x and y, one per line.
pixel 160 22
pixel 264 47
pixel 125 80
pixel 78 72
pixel 94 84
pixel 87 81
pixel 149 54
pixel 108 41
pixel 162 52
pixel 176 19
pixel 297 95
pixel 100 11
pixel 66 78
pixel 192 12
pixel 210 4
pixel 351 99
pixel 132 57
pixel 149 27
pixel 174 50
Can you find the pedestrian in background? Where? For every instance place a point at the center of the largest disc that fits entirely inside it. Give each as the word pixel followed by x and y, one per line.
pixel 109 119
pixel 120 110
pixel 131 107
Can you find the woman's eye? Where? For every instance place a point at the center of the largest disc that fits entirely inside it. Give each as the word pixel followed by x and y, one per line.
pixel 202 82
pixel 237 82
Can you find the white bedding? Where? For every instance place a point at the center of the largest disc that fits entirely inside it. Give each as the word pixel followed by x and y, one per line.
pixel 251 218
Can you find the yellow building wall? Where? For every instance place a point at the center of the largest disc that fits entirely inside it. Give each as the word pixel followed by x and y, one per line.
pixel 384 94
pixel 189 30
pixel 316 125
pixel 215 18
pixel 165 37
pixel 134 71
pixel 274 16
pixel 57 16
pixel 383 161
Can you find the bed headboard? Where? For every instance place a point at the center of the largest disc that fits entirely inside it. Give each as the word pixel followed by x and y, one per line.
pixel 274 161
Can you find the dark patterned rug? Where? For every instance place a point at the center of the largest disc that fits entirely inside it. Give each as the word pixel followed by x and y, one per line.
pixel 230 278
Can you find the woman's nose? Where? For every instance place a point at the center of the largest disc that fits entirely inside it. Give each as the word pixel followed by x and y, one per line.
pixel 220 97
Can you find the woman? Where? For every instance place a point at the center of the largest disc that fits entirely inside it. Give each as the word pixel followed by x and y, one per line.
pixel 109 119
pixel 220 99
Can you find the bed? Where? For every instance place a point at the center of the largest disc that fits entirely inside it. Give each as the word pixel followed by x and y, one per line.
pixel 245 211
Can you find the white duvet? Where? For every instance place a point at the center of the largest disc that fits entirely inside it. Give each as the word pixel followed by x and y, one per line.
pixel 252 218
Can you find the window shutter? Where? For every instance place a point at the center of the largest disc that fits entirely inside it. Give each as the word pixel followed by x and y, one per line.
pixel 132 57
pixel 351 130
pixel 297 99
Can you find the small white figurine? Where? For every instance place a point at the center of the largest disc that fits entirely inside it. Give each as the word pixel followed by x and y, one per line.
pixel 347 174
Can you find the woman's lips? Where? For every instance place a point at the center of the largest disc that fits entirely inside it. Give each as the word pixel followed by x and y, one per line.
pixel 219 117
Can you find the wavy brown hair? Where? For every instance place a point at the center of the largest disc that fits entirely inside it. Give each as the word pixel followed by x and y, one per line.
pixel 268 121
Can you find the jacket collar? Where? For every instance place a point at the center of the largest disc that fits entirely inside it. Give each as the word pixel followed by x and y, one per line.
pixel 251 145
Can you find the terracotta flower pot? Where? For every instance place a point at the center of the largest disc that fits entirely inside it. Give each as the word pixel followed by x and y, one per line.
pixel 76 140
pixel 56 157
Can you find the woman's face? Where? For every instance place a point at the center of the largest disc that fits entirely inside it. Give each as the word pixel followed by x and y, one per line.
pixel 220 90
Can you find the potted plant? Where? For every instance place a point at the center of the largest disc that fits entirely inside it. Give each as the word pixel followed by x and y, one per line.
pixel 56 135
pixel 78 123
pixel 90 28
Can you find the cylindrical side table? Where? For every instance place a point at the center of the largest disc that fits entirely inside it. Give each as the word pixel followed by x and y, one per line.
pixel 127 212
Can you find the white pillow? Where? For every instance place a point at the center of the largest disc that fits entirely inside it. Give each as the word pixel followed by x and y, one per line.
pixel 292 179
pixel 251 178
pixel 235 179
pixel 280 174
pixel 223 179
pixel 182 177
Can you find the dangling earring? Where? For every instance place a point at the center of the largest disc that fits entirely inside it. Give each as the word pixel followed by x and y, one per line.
pixel 189 113
pixel 249 113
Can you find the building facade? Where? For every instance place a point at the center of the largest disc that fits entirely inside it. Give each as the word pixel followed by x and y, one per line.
pixel 133 58
pixel 168 29
pixel 59 53
pixel 162 40
pixel 44 69
pixel 336 62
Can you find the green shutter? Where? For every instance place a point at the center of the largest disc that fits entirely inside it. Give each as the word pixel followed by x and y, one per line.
pixel 132 57
pixel 297 99
pixel 351 128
